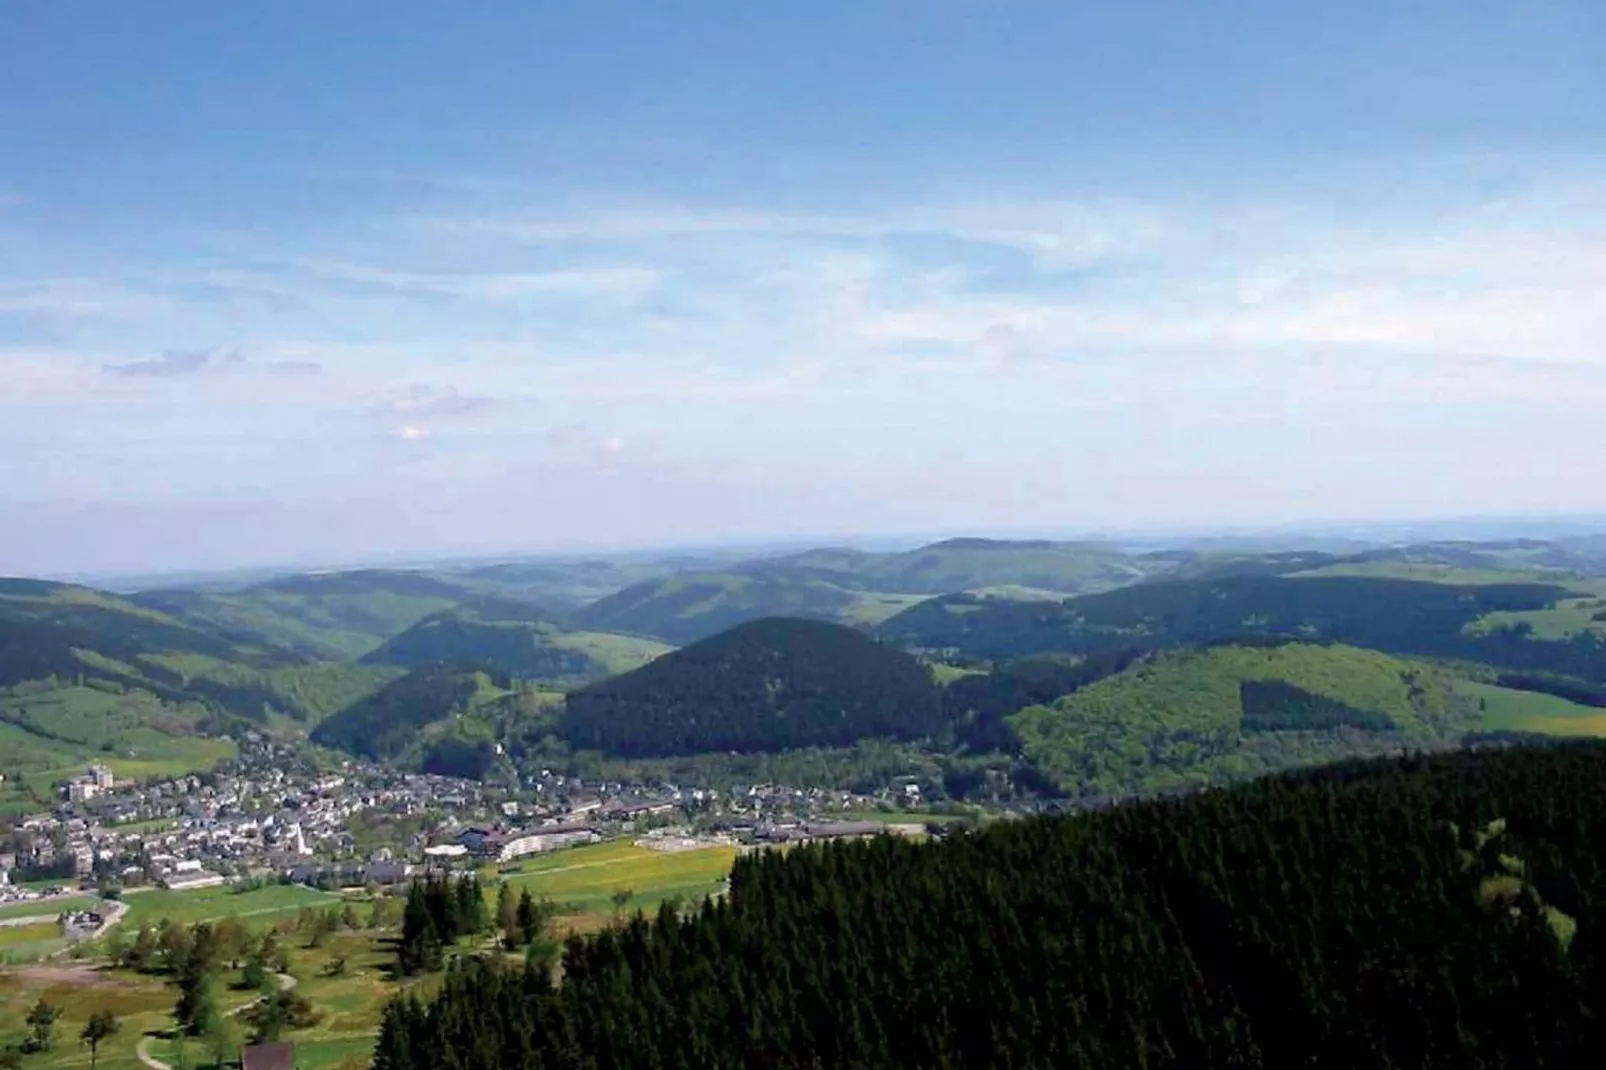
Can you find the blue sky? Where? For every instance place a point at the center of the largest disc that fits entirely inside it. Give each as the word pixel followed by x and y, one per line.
pixel 325 283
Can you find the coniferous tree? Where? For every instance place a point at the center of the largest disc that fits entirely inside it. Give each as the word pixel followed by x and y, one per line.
pixel 1241 927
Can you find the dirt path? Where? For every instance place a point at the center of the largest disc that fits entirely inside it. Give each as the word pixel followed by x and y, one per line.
pixel 143 1050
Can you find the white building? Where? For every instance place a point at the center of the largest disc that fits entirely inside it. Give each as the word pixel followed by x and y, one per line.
pixel 189 881
pixel 505 846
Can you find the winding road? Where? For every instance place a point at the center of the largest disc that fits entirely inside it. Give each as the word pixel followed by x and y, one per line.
pixel 286 983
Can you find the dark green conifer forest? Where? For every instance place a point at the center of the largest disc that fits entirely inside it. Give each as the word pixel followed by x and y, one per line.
pixel 1440 911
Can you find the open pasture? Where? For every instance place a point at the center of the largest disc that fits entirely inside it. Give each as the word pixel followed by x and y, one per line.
pixel 1507 709
pixel 210 904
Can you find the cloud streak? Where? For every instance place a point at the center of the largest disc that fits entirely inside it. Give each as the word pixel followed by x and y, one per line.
pixel 181 363
pixel 171 364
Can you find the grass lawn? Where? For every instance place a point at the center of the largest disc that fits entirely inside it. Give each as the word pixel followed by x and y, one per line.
pixel 155 824
pixel 49 907
pixel 209 904
pixel 178 758
pixel 1531 711
pixel 583 880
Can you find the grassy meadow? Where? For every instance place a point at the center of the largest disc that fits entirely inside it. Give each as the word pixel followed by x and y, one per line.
pixel 211 904
pixel 1567 618
pixel 27 943
pixel 350 1006
pixel 50 907
pixel 1506 709
pixel 52 734
pixel 613 652
pixel 583 880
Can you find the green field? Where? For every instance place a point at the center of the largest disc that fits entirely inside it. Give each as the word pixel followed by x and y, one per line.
pixel 50 907
pixel 583 880
pixel 1506 709
pixel 350 1006
pixel 25 943
pixel 946 674
pixel 1432 572
pixel 139 1003
pixel 50 734
pixel 873 607
pixel 209 904
pixel 1569 617
pixel 614 653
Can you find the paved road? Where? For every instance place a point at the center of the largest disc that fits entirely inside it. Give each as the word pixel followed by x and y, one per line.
pixel 286 983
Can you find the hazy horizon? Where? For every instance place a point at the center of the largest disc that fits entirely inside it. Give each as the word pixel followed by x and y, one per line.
pixel 1314 534
pixel 403 281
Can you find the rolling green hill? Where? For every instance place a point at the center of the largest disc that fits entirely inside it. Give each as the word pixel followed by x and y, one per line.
pixel 85 675
pixel 766 685
pixel 562 585
pixel 55 629
pixel 517 639
pixel 89 675
pixel 690 606
pixel 327 616
pixel 51 732
pixel 854 586
pixel 1396 616
pixel 1204 716
pixel 969 564
pixel 438 717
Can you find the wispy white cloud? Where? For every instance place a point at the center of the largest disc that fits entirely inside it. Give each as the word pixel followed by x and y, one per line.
pixel 599 282
pixel 77 297
pixel 732 348
pixel 174 362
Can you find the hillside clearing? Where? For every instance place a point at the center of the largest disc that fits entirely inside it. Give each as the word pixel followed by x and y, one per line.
pixel 1507 709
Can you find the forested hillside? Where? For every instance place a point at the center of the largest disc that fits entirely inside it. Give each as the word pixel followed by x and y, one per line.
pixel 855 586
pixel 391 723
pixel 515 638
pixel 1399 616
pixel 1196 717
pixel 74 635
pixel 1441 912
pixel 329 615
pixel 767 685
pixel 54 629
pixel 970 564
pixel 689 606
